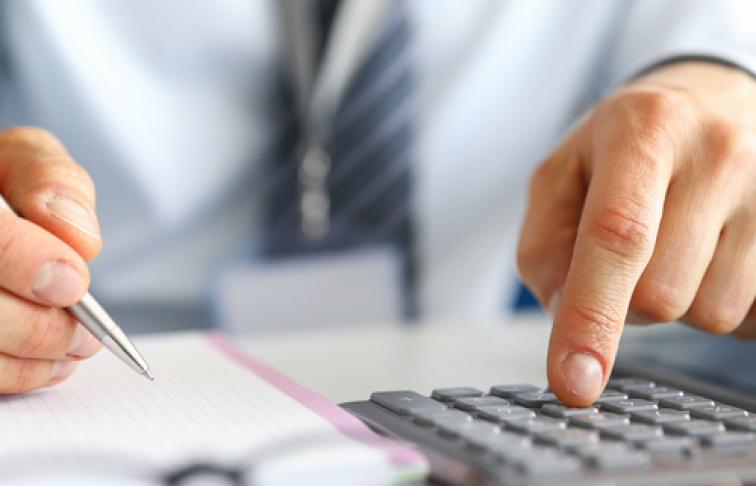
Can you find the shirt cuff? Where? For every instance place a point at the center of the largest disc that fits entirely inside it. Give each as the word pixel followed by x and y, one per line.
pixel 735 59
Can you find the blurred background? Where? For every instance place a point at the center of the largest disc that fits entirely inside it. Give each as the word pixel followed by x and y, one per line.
pixel 268 166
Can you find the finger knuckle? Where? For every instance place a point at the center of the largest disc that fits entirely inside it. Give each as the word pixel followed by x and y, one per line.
pixel 655 105
pixel 716 317
pixel 542 172
pixel 622 228
pixel 730 147
pixel 658 303
pixel 725 138
pixel 529 254
pixel 540 179
pixel 649 113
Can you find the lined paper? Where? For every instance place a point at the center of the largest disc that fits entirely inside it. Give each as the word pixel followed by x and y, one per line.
pixel 204 406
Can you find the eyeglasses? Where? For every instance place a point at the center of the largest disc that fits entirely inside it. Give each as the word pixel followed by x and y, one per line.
pixel 307 459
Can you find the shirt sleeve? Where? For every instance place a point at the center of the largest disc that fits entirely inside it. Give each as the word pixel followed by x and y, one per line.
pixel 656 32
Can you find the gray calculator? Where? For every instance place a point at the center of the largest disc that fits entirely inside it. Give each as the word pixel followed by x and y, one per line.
pixel 657 423
pixel 638 432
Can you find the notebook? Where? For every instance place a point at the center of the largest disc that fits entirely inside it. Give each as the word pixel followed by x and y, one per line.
pixel 210 404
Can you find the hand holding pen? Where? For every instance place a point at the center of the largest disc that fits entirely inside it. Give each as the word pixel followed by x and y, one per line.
pixel 43 267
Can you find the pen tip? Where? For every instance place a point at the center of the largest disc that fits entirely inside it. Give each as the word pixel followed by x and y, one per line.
pixel 147 374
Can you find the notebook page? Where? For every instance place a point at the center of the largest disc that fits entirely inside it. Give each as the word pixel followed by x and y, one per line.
pixel 207 404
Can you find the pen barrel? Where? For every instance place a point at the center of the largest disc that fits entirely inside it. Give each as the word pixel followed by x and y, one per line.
pixel 94 318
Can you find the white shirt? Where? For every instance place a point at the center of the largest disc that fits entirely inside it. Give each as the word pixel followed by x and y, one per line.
pixel 168 105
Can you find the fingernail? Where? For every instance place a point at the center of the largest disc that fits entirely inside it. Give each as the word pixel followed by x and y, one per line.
pixel 553 305
pixel 74 213
pixel 583 375
pixel 83 344
pixel 58 284
pixel 61 369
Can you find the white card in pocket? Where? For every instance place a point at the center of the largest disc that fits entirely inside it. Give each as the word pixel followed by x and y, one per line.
pixel 334 289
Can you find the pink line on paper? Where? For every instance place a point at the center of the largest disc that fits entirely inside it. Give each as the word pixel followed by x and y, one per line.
pixel 399 454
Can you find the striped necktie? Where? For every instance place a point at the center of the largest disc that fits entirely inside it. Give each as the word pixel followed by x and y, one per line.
pixel 370 145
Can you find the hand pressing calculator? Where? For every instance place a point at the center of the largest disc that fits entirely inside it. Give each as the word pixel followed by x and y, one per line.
pixel 638 432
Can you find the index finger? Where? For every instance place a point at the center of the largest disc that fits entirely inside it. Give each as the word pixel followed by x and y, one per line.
pixel 45 185
pixel 631 169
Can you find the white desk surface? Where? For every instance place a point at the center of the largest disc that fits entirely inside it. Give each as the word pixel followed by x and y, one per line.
pixel 349 364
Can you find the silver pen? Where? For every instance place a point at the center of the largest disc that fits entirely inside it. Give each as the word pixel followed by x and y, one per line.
pixel 93 317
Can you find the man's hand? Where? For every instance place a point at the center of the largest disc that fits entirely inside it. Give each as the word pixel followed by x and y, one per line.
pixel 649 205
pixel 42 259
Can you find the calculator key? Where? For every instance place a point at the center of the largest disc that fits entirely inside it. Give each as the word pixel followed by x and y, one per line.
pixel 478 434
pixel 432 418
pixel 451 394
pixel 474 403
pixel 746 423
pixel 633 432
pixel 632 388
pixel 611 396
pixel 728 440
pixel 507 445
pixel 568 438
pixel 685 402
pixel 502 414
pixel 405 402
pixel 563 411
pixel 599 420
pixel 467 430
pixel 535 425
pixel 658 417
pixel 653 392
pixel 718 412
pixel 509 391
pixel 535 399
pixel 627 406
pixel 694 428
pixel 586 451
pixel 547 462
pixel 622 383
pixel 619 460
pixel 668 445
